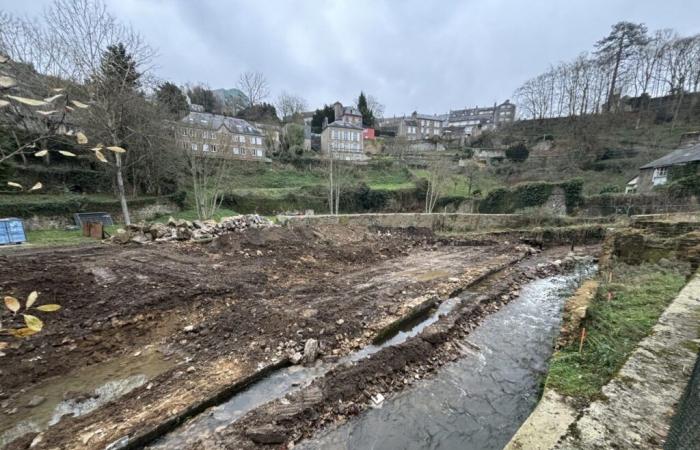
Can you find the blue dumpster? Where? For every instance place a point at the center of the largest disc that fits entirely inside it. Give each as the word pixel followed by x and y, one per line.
pixel 12 231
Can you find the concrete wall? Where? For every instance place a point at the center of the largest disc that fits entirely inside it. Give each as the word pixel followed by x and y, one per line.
pixel 436 222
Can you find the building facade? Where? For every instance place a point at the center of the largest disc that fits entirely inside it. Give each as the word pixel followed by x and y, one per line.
pixel 220 136
pixel 467 121
pixel 414 127
pixel 343 139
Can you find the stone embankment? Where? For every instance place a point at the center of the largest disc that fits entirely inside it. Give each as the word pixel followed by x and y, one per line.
pixel 185 230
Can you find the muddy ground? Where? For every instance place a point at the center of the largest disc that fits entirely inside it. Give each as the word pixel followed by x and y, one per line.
pixel 195 318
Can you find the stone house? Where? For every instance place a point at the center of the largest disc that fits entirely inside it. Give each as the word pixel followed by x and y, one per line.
pixel 658 172
pixel 467 121
pixel 414 127
pixel 343 139
pixel 220 136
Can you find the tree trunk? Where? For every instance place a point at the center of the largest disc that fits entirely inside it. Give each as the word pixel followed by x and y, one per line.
pixel 618 57
pixel 120 187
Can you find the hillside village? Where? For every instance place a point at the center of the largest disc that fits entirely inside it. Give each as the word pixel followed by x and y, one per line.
pixel 186 265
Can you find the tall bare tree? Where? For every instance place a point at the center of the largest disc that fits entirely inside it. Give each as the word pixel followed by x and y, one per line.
pixel 438 171
pixel 289 105
pixel 255 86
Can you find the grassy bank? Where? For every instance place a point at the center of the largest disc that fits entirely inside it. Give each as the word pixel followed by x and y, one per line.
pixel 614 327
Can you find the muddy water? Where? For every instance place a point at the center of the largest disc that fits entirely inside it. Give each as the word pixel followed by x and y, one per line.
pixel 283 382
pixel 479 401
pixel 79 393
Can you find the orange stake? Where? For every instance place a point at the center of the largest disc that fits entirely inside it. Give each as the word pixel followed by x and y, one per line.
pixel 583 337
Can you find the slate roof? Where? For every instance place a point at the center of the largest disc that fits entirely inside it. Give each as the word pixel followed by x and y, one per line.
pixel 676 157
pixel 215 122
pixel 351 111
pixel 344 124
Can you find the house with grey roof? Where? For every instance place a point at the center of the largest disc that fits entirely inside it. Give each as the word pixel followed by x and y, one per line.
pixel 659 171
pixel 342 139
pixel 466 121
pixel 414 127
pixel 220 136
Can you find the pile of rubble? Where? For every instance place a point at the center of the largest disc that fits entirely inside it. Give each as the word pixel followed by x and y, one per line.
pixel 185 230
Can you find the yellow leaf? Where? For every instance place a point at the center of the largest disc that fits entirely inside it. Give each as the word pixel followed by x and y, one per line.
pixel 41 153
pixel 98 147
pixel 7 82
pixel 27 101
pixel 82 139
pixel 52 98
pixel 31 299
pixel 100 156
pixel 12 304
pixel 68 108
pixel 47 113
pixel 79 104
pixel 22 332
pixel 33 322
pixel 116 149
pixel 13 184
pixel 66 153
pixel 37 186
pixel 49 308
pixel 4 103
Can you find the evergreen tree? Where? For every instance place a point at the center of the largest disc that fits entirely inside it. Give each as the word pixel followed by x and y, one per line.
pixel 317 119
pixel 200 95
pixel 617 47
pixel 171 98
pixel 367 115
pixel 118 68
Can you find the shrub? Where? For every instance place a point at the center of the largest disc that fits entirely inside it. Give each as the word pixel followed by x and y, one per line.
pixel 610 189
pixel 517 152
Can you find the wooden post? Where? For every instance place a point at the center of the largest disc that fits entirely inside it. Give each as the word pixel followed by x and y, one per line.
pixel 583 337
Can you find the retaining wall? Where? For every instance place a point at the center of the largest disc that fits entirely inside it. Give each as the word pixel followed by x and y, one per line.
pixel 436 222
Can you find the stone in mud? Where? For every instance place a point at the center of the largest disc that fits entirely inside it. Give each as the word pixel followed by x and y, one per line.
pixel 310 351
pixel 267 434
pixel 36 401
pixel 296 358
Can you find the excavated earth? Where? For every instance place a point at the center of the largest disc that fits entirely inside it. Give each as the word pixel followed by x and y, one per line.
pixel 196 318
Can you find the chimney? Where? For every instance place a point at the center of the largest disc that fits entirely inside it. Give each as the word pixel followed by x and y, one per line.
pixel 338 110
pixel 325 122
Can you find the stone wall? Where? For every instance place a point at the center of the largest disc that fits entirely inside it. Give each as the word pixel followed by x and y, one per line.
pixel 459 222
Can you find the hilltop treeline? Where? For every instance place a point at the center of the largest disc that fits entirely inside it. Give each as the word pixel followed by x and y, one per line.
pixel 626 68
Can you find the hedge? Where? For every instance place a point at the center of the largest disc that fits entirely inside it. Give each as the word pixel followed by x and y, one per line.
pixel 529 195
pixel 67 205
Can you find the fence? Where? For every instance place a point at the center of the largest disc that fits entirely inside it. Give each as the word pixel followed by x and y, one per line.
pixel 685 427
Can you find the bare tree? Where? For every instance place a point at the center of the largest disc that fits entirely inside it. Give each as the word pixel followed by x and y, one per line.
pixel 438 171
pixel 289 105
pixel 255 86
pixel 208 174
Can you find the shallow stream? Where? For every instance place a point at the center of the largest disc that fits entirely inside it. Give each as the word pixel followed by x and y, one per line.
pixel 479 401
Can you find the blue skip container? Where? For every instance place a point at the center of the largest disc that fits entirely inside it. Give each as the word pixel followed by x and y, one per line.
pixel 12 231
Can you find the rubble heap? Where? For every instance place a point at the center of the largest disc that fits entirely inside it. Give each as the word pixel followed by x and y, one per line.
pixel 185 230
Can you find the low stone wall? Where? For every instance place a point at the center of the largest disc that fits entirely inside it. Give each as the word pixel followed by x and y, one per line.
pixel 459 222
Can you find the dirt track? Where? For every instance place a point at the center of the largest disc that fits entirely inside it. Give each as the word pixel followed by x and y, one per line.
pixel 209 315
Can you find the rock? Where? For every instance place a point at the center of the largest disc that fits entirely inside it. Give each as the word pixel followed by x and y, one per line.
pixel 36 401
pixel 267 434
pixel 139 238
pixel 340 321
pixel 191 369
pixel 296 358
pixel 310 351
pixel 158 230
pixel 309 312
pixel 121 237
pixel 182 233
pixel 188 329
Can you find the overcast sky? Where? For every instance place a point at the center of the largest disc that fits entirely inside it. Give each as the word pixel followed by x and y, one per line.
pixel 412 55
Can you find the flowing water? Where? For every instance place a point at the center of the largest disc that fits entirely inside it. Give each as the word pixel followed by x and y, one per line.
pixel 281 383
pixel 479 401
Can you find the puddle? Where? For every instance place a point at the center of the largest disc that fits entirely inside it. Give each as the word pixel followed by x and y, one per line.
pixel 428 276
pixel 282 383
pixel 79 393
pixel 479 401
